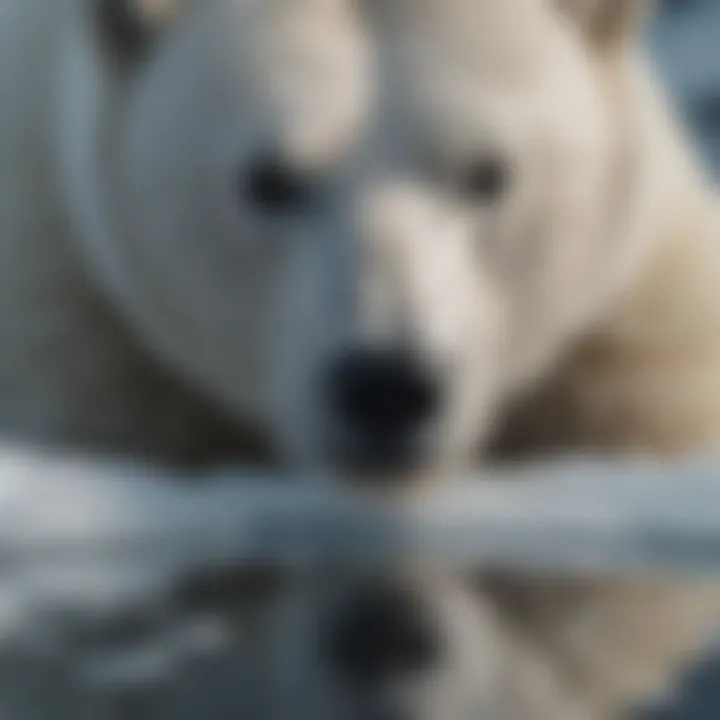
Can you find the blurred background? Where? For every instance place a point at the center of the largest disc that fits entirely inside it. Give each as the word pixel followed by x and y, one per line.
pixel 685 39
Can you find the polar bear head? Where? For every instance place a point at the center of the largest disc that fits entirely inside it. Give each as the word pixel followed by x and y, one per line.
pixel 360 225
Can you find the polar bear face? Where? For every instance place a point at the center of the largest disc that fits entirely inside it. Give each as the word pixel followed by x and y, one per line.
pixel 359 225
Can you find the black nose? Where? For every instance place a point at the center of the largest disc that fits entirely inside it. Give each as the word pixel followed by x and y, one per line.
pixel 383 402
pixel 381 635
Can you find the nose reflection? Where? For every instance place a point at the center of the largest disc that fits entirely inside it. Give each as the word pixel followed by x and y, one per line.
pixel 379 635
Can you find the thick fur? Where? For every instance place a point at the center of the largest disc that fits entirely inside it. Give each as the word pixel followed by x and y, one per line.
pixel 147 309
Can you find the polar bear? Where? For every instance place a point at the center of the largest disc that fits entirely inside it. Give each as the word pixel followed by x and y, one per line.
pixel 372 240
pixel 223 251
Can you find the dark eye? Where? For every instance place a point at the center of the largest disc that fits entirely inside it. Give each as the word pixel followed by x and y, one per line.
pixel 484 180
pixel 273 185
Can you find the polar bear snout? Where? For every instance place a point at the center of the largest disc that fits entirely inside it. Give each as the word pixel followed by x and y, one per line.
pixel 384 405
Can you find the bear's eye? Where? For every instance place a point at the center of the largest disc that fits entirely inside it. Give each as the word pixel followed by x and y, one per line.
pixel 272 185
pixel 485 179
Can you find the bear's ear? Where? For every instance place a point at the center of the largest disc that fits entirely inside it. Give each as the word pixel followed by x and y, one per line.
pixel 128 27
pixel 607 21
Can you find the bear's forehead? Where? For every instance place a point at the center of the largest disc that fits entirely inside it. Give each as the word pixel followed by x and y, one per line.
pixel 475 44
pixel 471 36
pixel 511 33
pixel 473 63
pixel 461 67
